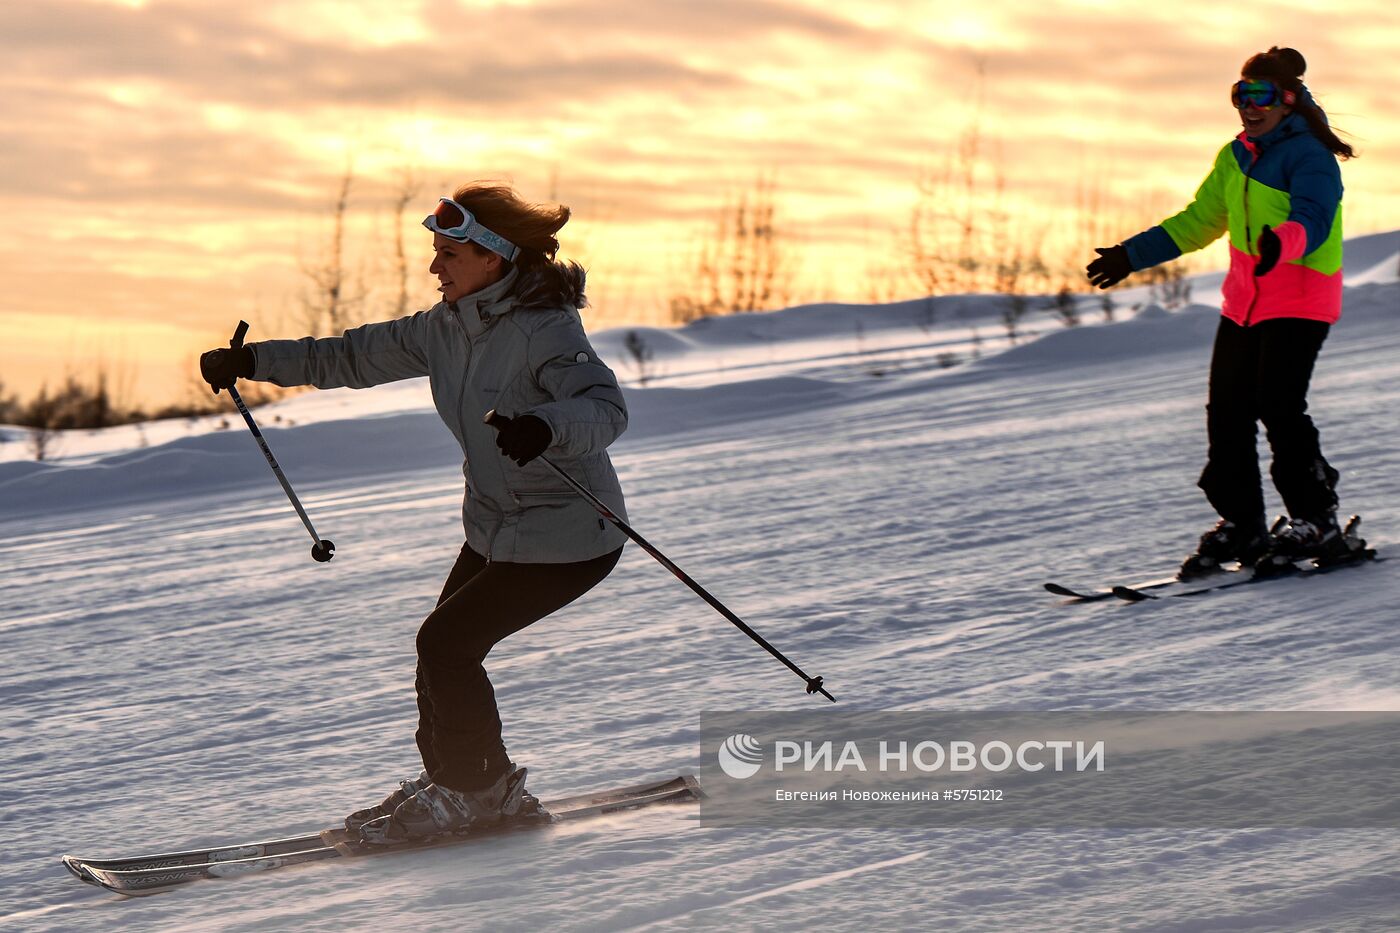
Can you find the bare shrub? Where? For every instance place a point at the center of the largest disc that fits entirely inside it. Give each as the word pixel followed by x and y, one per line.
pixel 1066 309
pixel 40 416
pixel 333 291
pixel 745 265
pixel 409 186
pixel 1107 304
pixel 1169 286
pixel 641 355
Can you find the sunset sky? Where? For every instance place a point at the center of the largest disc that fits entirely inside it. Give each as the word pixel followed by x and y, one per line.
pixel 169 167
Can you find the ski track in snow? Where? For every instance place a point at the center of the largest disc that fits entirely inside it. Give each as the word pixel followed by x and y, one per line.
pixel 178 672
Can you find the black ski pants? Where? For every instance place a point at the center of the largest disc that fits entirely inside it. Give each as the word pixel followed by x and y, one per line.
pixel 1261 374
pixel 459 727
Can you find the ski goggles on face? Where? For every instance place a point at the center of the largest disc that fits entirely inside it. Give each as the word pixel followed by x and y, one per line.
pixel 455 222
pixel 1261 95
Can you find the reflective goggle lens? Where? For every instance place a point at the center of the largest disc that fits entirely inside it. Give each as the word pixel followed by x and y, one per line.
pixel 1259 94
pixel 456 222
pixel 448 215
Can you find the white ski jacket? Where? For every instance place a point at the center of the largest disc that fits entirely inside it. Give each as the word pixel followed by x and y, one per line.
pixel 517 346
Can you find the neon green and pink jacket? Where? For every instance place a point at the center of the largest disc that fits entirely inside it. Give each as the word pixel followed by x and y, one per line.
pixel 1287 179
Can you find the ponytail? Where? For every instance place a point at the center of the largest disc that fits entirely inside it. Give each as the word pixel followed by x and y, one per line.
pixel 1317 122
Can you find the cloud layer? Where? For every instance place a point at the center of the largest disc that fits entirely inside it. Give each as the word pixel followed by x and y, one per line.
pixel 151 151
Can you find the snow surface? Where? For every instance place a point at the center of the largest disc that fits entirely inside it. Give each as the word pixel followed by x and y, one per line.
pixel 178 672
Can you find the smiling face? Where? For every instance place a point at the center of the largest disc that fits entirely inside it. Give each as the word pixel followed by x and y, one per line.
pixel 1258 122
pixel 463 268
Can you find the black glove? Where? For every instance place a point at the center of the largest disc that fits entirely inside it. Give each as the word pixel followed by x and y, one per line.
pixel 524 439
pixel 1112 266
pixel 1270 246
pixel 222 366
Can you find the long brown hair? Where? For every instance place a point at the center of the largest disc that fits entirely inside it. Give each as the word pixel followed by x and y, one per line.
pixel 1286 67
pixel 529 226
pixel 532 227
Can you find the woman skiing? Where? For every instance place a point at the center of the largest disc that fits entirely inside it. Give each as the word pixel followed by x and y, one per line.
pixel 1277 190
pixel 506 336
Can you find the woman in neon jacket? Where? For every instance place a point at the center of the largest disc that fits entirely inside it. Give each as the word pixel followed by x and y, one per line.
pixel 506 336
pixel 1277 191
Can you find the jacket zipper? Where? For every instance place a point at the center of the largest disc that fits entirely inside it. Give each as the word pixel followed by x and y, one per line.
pixel 1249 242
pixel 1254 157
pixel 461 425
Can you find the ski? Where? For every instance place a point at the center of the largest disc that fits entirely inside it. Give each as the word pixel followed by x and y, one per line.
pixel 1223 577
pixel 286 846
pixel 1089 595
pixel 164 871
pixel 136 882
pixel 1303 568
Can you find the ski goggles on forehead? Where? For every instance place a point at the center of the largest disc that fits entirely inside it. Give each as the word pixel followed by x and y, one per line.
pixel 455 222
pixel 1261 95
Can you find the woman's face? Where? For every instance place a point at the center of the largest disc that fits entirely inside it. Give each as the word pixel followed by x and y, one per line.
pixel 461 268
pixel 1258 122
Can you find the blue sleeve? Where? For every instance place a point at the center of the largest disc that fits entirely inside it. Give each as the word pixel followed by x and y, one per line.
pixel 1314 192
pixel 1151 248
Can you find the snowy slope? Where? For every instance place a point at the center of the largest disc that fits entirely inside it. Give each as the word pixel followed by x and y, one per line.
pixel 178 671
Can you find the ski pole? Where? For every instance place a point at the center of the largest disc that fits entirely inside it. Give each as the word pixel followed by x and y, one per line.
pixel 323 550
pixel 814 684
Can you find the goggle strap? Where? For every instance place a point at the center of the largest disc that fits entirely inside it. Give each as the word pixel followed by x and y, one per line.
pixel 471 229
pixel 492 241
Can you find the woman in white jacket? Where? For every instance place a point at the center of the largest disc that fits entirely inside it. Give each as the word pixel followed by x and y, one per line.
pixel 506 336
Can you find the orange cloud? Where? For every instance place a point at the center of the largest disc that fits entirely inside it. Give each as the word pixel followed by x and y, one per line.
pixel 173 163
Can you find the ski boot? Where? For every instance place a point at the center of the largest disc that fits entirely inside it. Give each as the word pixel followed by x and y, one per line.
pixel 1226 542
pixel 407 789
pixel 1320 540
pixel 437 810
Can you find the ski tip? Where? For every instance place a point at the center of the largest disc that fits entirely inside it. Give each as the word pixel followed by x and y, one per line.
pixel 692 783
pixel 77 869
pixel 1060 589
pixel 103 879
pixel 1077 596
pixel 1131 595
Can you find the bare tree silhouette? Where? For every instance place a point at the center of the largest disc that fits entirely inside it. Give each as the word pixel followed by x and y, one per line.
pixel 745 265
pixel 407 190
pixel 331 296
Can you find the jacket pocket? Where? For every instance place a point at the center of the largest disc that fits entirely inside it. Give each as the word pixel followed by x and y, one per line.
pixel 537 496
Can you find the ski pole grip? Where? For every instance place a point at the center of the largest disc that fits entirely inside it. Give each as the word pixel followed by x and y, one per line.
pixel 237 341
pixel 497 421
